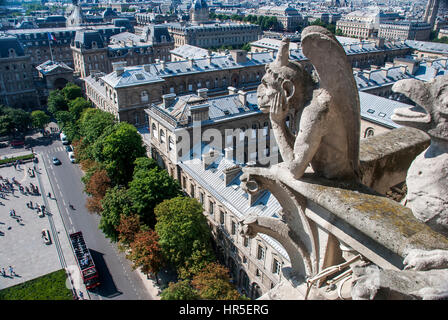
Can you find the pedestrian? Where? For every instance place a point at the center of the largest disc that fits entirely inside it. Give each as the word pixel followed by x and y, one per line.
pixel 11 271
pixel 81 295
pixel 3 272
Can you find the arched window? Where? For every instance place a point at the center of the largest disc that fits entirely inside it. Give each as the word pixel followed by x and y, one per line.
pixel 370 132
pixel 144 97
pixel 162 136
pixel 154 131
pixel 170 143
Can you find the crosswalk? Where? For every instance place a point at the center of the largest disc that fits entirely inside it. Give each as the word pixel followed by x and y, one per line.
pixel 51 150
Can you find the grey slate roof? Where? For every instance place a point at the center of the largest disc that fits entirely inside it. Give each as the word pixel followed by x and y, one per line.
pixel 433 47
pixel 86 37
pixel 378 109
pixel 232 196
pixel 10 42
pixel 220 108
pixel 131 76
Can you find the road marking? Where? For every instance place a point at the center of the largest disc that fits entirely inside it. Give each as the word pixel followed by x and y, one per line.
pixel 70 220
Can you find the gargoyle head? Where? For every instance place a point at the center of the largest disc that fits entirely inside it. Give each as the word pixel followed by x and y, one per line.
pixel 431 111
pixel 246 228
pixel 286 77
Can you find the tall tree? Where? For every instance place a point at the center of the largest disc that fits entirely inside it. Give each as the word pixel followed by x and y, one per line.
pixel 56 102
pixel 93 122
pixel 181 290
pixel 39 119
pixel 146 252
pixel 180 223
pixel 149 188
pixel 71 91
pixel 129 226
pixel 98 184
pixel 213 283
pixel 77 106
pixel 119 149
pixel 115 203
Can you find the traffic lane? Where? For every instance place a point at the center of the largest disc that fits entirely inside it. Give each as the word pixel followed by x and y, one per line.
pixel 121 282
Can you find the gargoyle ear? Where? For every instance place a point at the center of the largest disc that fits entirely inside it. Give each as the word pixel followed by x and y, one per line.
pixel 288 87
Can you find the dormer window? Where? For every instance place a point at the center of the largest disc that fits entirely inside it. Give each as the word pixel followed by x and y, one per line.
pixel 12 52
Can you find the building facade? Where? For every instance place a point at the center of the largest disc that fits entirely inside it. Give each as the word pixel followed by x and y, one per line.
pixel 93 53
pixel 17 87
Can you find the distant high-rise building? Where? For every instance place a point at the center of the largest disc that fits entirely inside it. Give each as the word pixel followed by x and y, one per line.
pixel 431 11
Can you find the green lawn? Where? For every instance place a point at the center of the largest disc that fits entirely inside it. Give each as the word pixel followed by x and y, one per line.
pixel 48 287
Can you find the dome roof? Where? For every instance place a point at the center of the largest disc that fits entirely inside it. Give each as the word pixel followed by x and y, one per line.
pixel 109 12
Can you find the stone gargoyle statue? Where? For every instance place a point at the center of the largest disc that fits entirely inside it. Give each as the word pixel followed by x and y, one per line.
pixel 427 178
pixel 326 113
pixel 426 272
pixel 328 121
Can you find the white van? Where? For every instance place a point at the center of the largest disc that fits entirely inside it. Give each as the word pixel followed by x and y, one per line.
pixel 71 156
pixel 64 138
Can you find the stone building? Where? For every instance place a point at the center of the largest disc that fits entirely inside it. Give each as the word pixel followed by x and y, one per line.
pixel 405 30
pixel 134 88
pixel 36 42
pixel 361 53
pixel 213 35
pixel 93 52
pixel 288 17
pixel 16 75
pixel 54 75
pixel 199 12
pixel 362 24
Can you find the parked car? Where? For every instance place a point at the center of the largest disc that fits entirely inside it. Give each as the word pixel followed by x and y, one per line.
pixel 71 156
pixel 64 139
pixel 68 148
pixel 56 161
pixel 46 236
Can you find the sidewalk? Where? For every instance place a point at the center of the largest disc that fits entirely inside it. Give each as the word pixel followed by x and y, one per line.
pixel 69 260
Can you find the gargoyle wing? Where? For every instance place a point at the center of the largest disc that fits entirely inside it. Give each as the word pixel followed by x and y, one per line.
pixel 335 72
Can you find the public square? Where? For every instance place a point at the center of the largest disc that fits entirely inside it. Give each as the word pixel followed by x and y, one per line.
pixel 21 242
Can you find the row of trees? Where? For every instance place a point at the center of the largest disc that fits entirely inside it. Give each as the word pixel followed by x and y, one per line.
pixel 141 206
pixel 15 121
pixel 265 22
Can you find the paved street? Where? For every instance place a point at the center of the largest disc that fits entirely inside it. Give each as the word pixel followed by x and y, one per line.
pixel 118 280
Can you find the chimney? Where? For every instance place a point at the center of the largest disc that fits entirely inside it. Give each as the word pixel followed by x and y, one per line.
pixel 385 71
pixel 367 74
pixel 168 99
pixel 191 62
pixel 157 60
pixel 199 112
pixel 163 64
pixel 208 158
pixel 228 153
pixel 272 53
pixel 202 93
pixel 232 90
pixel 209 57
pixel 231 173
pixel 118 67
pixel 147 67
pixel 253 189
pixel 243 97
pixel 239 56
pixel 403 68
pixel 250 55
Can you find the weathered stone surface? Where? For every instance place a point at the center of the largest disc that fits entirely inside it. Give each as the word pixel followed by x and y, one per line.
pixel 427 178
pixel 329 121
pixel 371 283
pixel 385 158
